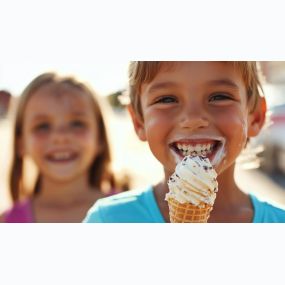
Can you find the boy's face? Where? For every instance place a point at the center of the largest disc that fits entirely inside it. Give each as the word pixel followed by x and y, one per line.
pixel 197 108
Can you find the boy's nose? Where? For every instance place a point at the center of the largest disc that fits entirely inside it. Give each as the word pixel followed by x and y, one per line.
pixel 193 118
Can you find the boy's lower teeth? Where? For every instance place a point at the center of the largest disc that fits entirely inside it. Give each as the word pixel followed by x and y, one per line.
pixel 195 153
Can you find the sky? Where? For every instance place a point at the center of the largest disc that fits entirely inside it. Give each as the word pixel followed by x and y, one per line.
pixel 66 37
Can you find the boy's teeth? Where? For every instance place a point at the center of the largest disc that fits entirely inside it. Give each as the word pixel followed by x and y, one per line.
pixel 198 149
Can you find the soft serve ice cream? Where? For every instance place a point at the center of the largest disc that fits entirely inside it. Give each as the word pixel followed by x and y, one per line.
pixel 194 182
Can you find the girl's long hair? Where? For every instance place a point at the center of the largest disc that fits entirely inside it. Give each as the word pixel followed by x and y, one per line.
pixel 101 175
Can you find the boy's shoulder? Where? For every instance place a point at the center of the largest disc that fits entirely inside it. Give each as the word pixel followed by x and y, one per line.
pixel 138 205
pixel 266 212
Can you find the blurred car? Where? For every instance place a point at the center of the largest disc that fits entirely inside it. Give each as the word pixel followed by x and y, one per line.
pixel 272 138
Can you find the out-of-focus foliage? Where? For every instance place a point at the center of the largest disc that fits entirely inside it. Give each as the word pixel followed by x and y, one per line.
pixel 115 101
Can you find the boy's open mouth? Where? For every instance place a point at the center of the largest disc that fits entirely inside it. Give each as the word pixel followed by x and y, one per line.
pixel 206 148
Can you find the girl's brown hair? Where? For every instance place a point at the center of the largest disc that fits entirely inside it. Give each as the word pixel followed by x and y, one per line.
pixel 100 174
pixel 144 71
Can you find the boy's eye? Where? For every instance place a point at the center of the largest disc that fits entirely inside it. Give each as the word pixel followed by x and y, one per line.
pixel 166 99
pixel 219 97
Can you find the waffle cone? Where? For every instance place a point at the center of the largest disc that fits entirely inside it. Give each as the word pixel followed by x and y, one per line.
pixel 188 213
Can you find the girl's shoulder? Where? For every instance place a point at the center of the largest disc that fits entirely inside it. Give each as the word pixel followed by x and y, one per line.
pixel 20 212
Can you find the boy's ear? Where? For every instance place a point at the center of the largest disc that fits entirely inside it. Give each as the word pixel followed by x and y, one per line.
pixel 137 123
pixel 256 119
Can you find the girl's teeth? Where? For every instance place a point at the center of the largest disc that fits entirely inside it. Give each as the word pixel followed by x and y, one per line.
pixel 63 155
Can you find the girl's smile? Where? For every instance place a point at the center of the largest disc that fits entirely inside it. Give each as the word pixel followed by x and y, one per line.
pixel 62 156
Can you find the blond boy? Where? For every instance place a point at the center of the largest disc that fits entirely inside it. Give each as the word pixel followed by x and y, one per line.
pixel 188 107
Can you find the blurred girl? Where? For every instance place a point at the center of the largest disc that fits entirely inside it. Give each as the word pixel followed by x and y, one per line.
pixel 59 126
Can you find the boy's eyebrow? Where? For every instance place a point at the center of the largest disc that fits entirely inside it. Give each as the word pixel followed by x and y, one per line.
pixel 225 82
pixel 214 82
pixel 161 85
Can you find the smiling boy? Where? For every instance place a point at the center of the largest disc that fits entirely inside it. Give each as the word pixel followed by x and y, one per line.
pixel 198 108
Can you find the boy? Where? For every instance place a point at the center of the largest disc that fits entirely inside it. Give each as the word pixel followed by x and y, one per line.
pixel 189 107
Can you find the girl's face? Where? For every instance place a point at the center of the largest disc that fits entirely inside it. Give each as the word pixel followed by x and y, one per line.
pixel 60 133
pixel 197 108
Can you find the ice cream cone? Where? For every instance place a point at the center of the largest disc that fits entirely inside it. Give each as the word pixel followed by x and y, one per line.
pixel 188 213
pixel 192 190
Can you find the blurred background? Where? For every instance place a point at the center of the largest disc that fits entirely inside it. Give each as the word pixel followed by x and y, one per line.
pixel 263 177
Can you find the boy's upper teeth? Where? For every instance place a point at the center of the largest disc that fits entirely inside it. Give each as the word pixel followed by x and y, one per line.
pixel 197 149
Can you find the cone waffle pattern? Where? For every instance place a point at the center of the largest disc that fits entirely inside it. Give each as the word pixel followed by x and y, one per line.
pixel 188 213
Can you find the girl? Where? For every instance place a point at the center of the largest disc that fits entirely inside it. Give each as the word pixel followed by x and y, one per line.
pixel 60 127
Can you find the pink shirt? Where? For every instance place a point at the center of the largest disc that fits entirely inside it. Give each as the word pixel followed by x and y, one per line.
pixel 21 212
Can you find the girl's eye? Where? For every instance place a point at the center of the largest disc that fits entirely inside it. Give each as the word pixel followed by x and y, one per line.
pixel 166 99
pixel 77 124
pixel 43 127
pixel 220 97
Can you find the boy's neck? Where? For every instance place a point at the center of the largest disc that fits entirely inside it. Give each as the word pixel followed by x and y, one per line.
pixel 231 204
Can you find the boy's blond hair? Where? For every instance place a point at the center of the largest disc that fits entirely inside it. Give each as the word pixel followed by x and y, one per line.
pixel 144 71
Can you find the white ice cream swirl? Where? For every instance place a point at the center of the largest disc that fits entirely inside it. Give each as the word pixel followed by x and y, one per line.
pixel 194 181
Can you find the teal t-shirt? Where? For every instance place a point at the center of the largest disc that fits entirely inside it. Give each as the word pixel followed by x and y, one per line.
pixel 140 206
pixel 266 213
pixel 134 206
